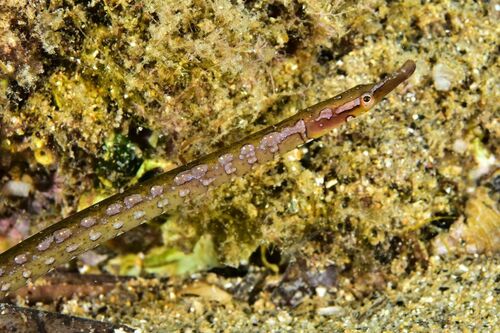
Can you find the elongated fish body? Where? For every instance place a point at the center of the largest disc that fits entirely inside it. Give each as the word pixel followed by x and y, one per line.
pixel 109 218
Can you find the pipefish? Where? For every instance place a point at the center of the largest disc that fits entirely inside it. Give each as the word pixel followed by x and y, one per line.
pixel 119 213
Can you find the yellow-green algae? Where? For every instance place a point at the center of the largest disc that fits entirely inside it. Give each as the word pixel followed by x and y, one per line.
pixel 370 199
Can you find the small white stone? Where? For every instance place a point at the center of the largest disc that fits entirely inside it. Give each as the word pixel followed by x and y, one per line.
pixel 331 182
pixel 443 77
pixel 321 291
pixel 330 311
pixel 284 317
pixel 17 188
pixel 183 192
pixel 462 269
pixel 460 146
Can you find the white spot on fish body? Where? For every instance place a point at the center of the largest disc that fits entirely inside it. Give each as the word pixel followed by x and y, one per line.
pixel 207 181
pixel 272 140
pixel 21 259
pixel 183 178
pixel 72 247
pixel 118 224
pixel 298 128
pixel 132 200
pixel 45 244
pixel 61 235
pixel 248 152
pixel 88 222
pixel 199 171
pixel 348 106
pixel 138 214
pixel 162 203
pixel 226 161
pixel 156 191
pixel 114 209
pixel 94 235
pixel 325 114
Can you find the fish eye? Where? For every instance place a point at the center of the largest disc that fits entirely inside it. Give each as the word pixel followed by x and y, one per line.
pixel 367 100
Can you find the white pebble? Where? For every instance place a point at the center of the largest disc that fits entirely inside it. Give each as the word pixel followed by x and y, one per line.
pixel 459 146
pixel 17 188
pixel 321 291
pixel 330 311
pixel 443 77
pixel 183 192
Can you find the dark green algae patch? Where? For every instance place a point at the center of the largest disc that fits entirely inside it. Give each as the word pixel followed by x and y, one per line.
pixel 98 95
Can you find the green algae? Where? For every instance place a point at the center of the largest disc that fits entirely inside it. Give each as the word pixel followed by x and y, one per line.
pixel 164 261
pixel 120 159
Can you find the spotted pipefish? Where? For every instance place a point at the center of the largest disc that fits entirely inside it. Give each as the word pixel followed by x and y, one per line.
pixel 119 213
